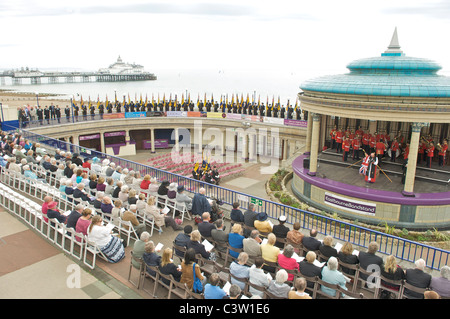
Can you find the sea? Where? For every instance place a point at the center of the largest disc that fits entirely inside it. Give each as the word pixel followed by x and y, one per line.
pixel 262 85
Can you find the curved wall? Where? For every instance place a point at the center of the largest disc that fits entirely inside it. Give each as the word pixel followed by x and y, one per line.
pixel 424 211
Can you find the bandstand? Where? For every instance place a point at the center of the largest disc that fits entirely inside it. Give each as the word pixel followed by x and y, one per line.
pixel 395 94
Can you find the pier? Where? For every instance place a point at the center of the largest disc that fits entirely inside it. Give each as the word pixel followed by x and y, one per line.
pixel 37 77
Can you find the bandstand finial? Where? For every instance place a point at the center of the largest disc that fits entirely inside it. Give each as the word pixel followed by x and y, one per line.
pixel 394 46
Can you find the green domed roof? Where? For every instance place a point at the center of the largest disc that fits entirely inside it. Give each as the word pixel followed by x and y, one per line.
pixel 391 74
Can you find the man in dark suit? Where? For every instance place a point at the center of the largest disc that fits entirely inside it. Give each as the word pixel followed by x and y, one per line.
pixel 58 113
pixel 74 216
pixel 236 214
pixel 417 278
pixel 67 113
pixel 308 269
pixel 219 235
pixel 280 230
pixel 205 227
pixel 182 239
pixel 311 242
pixel 97 202
pixel 40 114
pixel 200 203
pixel 369 258
pixel 47 114
pixel 250 216
pixel 80 193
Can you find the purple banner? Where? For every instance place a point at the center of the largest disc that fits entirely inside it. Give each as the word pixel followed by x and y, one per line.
pixel 350 205
pixel 161 143
pixel 121 133
pixel 89 137
pixel 298 123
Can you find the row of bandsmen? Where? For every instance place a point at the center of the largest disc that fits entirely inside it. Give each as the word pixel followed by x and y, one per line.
pixel 348 142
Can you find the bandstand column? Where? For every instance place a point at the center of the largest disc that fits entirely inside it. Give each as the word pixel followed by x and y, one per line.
pixel 102 143
pixel 308 135
pixel 152 140
pixel 177 140
pixel 314 143
pixel 408 189
pixel 251 148
pixel 285 149
pixel 75 140
pixel 372 126
pixel 245 146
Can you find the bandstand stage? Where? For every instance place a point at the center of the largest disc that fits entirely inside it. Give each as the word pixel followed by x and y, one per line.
pixel 393 96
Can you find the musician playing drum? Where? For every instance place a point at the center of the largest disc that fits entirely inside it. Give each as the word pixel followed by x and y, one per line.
pixel 394 149
pixel 442 152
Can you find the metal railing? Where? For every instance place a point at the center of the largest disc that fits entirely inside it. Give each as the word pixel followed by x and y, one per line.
pixel 401 248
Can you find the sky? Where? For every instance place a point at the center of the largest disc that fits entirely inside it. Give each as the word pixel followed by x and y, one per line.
pixel 317 37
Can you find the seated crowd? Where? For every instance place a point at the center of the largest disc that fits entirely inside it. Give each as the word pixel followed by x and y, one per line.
pixel 263 259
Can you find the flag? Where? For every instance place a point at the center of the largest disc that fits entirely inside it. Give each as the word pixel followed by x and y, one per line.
pixel 296 104
pixel 129 100
pixel 98 101
pixel 146 100
pixel 89 103
pixel 140 101
pixel 115 98
pixel 124 101
pixel 278 102
pixel 212 98
pixel 74 103
pixel 106 103
pixel 182 98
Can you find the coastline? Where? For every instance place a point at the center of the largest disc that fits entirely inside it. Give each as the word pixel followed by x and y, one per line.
pixel 14 99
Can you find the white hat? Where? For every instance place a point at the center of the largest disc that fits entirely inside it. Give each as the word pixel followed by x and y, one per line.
pixel 282 218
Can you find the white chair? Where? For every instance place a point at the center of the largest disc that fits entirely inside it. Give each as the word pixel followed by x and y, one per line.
pixel 127 227
pixel 92 248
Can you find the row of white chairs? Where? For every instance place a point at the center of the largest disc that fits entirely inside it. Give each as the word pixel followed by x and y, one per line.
pixel 39 189
pixel 57 233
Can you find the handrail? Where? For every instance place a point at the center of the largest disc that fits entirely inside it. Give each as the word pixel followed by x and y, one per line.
pixel 401 248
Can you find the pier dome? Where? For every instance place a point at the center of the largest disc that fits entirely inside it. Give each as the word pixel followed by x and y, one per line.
pixel 391 74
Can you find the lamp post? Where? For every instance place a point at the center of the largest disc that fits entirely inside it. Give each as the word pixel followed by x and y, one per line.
pixel 37 98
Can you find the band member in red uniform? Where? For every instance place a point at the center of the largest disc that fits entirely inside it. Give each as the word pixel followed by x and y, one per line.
pixel 430 154
pixel 400 137
pixel 333 137
pixel 421 152
pixel 365 141
pixel 379 136
pixel 339 139
pixel 380 149
pixel 359 131
pixel 356 145
pixel 406 152
pixel 347 132
pixel 371 172
pixel 394 149
pixel 442 153
pixel 364 164
pixel 346 148
pixel 351 136
pixel 373 142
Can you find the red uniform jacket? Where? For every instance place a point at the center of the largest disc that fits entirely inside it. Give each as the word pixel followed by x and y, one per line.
pixel 346 145
pixel 380 148
pixel 443 150
pixel 356 144
pixel 339 135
